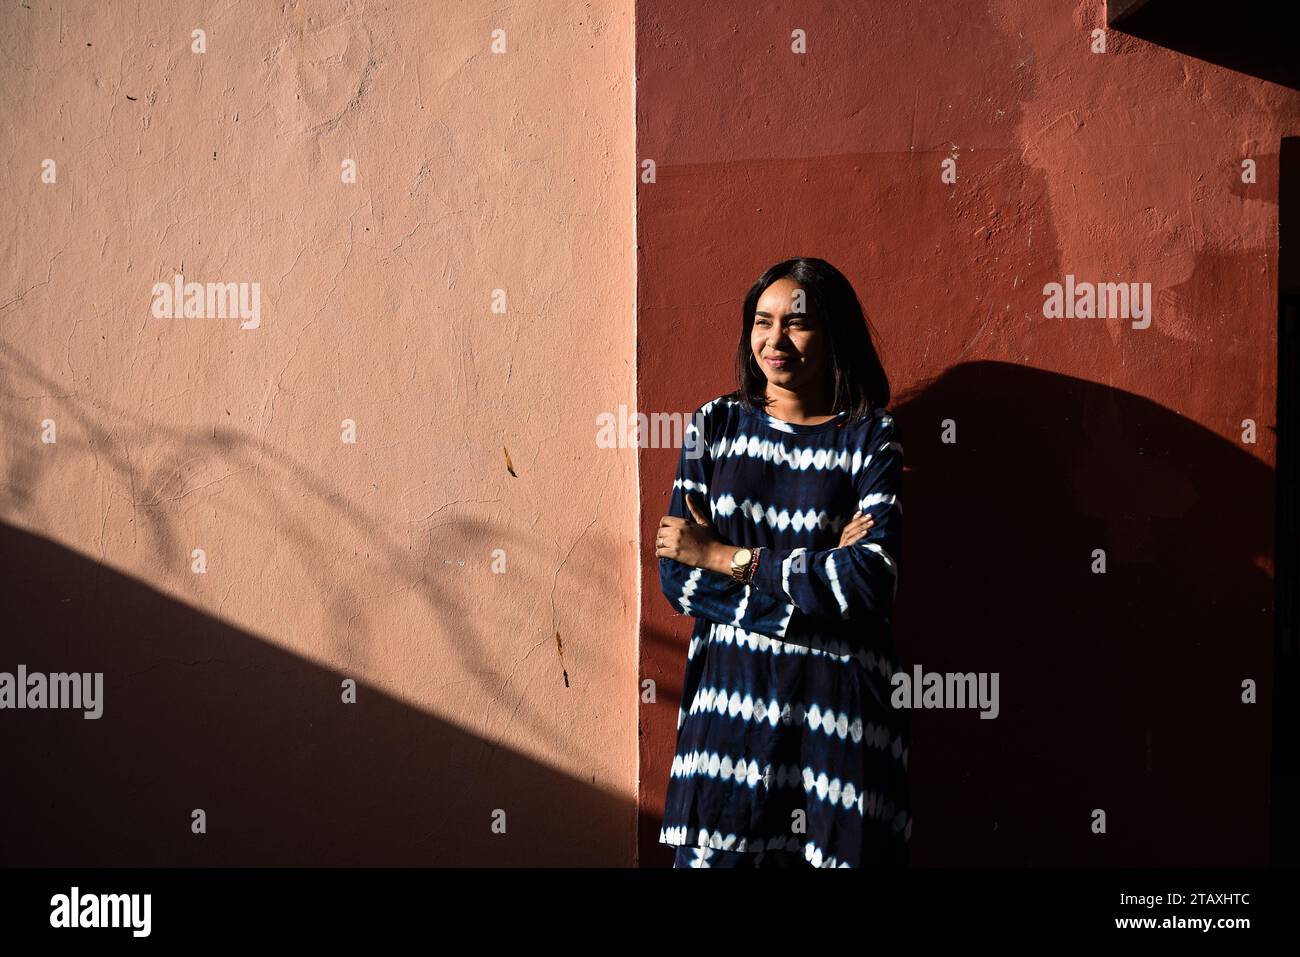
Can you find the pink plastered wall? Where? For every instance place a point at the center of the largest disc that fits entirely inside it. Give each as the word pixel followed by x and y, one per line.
pixel 438 217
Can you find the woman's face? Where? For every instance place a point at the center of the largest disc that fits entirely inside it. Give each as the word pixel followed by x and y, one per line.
pixel 789 343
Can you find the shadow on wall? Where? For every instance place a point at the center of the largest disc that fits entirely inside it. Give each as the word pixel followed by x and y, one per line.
pixel 308 513
pixel 198 714
pixel 1118 691
pixel 1248 36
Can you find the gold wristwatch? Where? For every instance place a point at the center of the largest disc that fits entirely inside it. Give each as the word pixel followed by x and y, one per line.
pixel 740 563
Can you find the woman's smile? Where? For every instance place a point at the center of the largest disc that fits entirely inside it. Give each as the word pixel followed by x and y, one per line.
pixel 780 361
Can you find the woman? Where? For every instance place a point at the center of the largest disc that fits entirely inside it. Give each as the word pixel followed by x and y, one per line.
pixel 782 540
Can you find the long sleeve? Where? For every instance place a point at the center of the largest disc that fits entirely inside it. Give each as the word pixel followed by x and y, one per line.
pixel 701 592
pixel 860 580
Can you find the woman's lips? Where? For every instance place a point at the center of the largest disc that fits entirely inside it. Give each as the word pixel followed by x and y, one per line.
pixel 779 362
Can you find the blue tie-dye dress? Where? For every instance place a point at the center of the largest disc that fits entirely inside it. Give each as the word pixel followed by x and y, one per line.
pixel 786 741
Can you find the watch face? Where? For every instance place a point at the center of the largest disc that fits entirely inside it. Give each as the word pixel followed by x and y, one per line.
pixel 742 557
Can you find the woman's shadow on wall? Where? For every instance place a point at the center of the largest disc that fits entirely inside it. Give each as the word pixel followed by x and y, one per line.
pixel 1119 692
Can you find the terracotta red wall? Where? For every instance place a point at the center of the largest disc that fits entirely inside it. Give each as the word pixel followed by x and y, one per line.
pixel 1119 691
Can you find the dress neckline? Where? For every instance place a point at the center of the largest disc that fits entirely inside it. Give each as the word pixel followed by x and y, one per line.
pixel 780 425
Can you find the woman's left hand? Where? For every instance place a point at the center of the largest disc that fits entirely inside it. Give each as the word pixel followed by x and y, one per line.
pixel 691 543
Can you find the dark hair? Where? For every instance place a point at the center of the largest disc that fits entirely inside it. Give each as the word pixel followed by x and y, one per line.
pixel 858 381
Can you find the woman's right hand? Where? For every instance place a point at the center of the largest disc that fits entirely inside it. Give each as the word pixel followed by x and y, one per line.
pixel 856 529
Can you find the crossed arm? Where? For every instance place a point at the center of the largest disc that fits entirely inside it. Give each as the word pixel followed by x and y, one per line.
pixel 845 583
